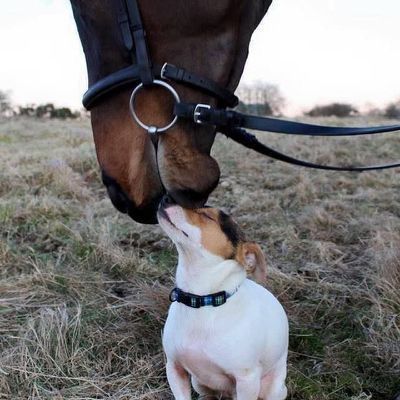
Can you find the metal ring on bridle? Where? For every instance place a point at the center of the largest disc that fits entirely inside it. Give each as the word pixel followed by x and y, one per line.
pixel 151 128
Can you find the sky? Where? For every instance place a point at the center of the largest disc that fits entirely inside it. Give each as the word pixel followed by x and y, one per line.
pixel 316 51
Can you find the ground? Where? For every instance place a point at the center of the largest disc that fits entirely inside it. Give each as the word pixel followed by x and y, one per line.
pixel 83 289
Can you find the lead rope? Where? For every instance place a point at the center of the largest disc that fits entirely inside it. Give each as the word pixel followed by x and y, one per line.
pixel 229 123
pixel 248 140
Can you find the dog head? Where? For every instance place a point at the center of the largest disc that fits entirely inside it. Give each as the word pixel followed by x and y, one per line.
pixel 209 233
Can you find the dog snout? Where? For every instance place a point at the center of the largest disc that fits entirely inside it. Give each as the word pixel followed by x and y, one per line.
pixel 166 208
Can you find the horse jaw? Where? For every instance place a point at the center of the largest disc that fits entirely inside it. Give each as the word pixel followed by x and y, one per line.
pixel 127 159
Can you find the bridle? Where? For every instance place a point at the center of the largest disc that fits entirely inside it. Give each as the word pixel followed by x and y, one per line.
pixel 142 73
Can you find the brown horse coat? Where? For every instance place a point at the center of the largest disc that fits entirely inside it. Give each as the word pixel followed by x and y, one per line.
pixel 207 37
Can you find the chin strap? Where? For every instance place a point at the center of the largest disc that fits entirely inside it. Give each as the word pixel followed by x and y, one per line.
pixel 196 301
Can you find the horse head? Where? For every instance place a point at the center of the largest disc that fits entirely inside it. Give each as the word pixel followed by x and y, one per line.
pixel 209 38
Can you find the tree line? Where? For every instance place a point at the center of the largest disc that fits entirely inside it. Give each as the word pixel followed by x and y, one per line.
pixel 342 110
pixel 266 99
pixel 48 110
pixel 260 98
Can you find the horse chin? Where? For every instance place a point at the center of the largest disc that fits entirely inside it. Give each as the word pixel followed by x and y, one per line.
pixel 145 213
pixel 188 198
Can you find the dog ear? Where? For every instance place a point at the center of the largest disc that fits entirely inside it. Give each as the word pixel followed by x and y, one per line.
pixel 250 255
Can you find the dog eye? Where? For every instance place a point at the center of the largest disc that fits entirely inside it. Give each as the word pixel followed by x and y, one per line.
pixel 207 216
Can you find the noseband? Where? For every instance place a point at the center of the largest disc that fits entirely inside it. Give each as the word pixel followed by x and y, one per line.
pixel 142 73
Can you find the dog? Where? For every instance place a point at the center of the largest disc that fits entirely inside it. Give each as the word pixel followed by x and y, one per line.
pixel 225 333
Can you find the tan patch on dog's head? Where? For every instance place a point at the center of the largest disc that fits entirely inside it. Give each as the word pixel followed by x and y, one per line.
pixel 220 235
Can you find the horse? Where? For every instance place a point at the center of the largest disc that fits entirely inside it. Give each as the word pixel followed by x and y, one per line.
pixel 211 39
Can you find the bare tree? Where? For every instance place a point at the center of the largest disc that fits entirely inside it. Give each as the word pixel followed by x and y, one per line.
pixel 340 110
pixel 392 110
pixel 261 98
pixel 5 103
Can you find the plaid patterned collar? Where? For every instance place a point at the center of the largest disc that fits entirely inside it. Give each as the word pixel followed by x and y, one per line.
pixel 195 301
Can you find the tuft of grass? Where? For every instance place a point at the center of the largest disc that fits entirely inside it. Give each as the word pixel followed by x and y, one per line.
pixel 84 290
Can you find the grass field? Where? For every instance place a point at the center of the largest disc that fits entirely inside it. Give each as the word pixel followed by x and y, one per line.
pixel 83 289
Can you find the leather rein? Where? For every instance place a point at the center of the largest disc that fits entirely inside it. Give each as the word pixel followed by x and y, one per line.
pixel 142 73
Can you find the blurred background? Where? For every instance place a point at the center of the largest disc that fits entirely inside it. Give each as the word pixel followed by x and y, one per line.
pixel 304 54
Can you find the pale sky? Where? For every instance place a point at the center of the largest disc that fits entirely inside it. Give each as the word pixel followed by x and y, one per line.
pixel 316 51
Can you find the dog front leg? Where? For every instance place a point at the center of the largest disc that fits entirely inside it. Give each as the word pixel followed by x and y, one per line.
pixel 248 386
pixel 178 380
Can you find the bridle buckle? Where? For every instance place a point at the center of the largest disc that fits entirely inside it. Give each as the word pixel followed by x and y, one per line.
pixel 163 69
pixel 197 112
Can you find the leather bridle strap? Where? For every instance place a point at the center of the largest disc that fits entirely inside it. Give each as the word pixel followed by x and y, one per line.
pixel 142 70
pixel 129 76
pixel 230 123
pixel 136 35
pixel 181 75
pixel 204 114
pixel 250 141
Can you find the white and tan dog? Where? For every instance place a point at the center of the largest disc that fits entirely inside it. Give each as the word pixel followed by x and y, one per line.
pixel 226 333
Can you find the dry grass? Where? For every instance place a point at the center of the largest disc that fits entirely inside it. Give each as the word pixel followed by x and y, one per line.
pixel 83 289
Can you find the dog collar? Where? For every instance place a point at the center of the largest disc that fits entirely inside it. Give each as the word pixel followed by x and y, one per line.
pixel 196 301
